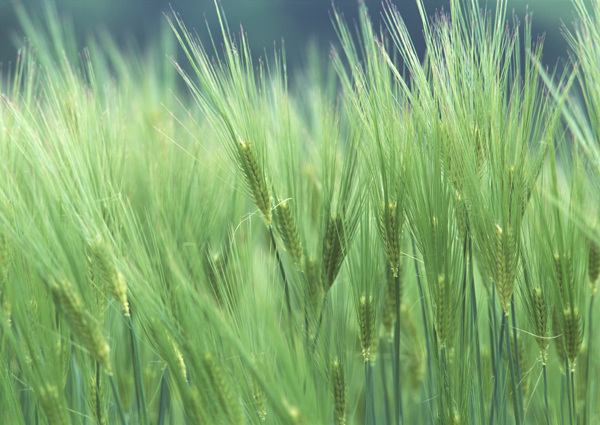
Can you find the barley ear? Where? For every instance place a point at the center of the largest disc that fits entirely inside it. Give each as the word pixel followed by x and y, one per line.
pixel 50 401
pixel 82 323
pixel 339 393
pixel 506 261
pixel 540 313
pixel 108 274
pixel 333 250
pixel 286 226
pixel 229 404
pixel 573 335
pixel 391 223
pixel 255 178
pixel 559 339
pixel 367 326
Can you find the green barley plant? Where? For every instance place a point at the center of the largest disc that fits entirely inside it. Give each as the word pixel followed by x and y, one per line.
pixel 433 220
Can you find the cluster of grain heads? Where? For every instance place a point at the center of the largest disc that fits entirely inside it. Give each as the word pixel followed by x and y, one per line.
pixel 82 323
pixel 338 384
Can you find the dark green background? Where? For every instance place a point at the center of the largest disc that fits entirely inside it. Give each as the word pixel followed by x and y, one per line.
pixel 298 22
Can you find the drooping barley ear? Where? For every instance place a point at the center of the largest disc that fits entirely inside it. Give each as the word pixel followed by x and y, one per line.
pixel 339 393
pixel 389 302
pixel 506 261
pixel 540 313
pixel 333 250
pixel 255 178
pixel 558 339
pixel 229 404
pixel 108 274
pixel 593 264
pixel 391 222
pixel 286 226
pixel 573 335
pixel 367 327
pixel 53 408
pixel 82 323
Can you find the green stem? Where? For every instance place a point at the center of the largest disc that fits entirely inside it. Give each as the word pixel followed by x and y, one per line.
pixel 98 406
pixel 568 390
pixel 372 391
pixel 588 390
pixel 424 312
pixel 517 361
pixel 475 332
pixel 445 395
pixel 386 400
pixel 286 288
pixel 497 369
pixel 137 372
pixel 397 378
pixel 546 394
pixel 113 384
pixel 164 397
pixel 367 394
pixel 511 362
pixel 575 414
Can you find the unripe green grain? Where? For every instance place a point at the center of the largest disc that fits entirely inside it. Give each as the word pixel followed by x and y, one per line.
pixel 506 261
pixel 286 225
pixel 573 334
pixel 367 326
pixel 255 178
pixel 333 250
pixel 540 313
pixel 108 274
pixel 229 404
pixel 339 393
pixel 82 323
pixel 50 401
pixel 391 220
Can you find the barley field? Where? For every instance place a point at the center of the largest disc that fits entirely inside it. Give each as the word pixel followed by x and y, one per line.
pixel 393 239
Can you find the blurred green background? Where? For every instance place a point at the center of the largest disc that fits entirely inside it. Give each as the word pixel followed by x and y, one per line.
pixel 298 22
